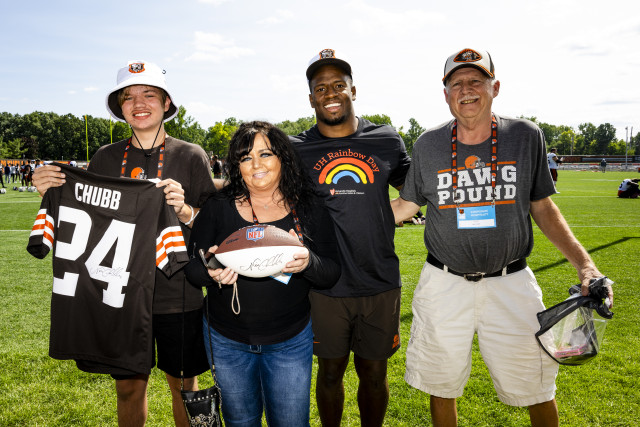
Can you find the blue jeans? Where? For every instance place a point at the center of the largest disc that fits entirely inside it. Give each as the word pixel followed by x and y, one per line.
pixel 274 377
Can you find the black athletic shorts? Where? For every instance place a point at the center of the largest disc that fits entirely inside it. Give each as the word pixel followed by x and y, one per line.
pixel 167 330
pixel 368 326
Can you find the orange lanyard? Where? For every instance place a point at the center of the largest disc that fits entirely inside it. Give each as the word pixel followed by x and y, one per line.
pixel 147 157
pixel 296 221
pixel 494 159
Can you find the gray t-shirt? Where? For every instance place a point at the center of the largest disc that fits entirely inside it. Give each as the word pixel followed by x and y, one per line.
pixel 522 176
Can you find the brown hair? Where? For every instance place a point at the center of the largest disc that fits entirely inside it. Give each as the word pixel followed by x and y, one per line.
pixel 123 92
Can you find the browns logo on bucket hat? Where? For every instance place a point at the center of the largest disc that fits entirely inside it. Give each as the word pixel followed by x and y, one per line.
pixel 139 72
pixel 479 59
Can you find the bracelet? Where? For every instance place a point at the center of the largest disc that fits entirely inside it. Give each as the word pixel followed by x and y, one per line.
pixel 192 215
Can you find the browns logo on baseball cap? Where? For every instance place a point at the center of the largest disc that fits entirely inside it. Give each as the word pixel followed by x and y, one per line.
pixel 479 59
pixel 327 57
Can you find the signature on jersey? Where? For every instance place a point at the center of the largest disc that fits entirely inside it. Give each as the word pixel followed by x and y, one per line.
pixel 107 272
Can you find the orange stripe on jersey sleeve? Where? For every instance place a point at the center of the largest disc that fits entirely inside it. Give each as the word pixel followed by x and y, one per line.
pixel 172 234
pixel 47 225
pixel 41 222
pixel 168 235
pixel 37 227
pixel 167 242
pixel 161 258
pixel 175 244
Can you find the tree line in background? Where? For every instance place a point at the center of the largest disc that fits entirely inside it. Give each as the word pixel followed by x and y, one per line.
pixel 49 136
pixel 588 140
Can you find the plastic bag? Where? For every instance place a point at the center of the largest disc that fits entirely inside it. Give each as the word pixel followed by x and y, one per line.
pixel 571 332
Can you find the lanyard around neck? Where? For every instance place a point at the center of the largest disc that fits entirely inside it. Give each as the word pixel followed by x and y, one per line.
pixel 296 221
pixel 147 157
pixel 494 159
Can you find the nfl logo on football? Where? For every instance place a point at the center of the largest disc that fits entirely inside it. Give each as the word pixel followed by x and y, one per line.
pixel 255 233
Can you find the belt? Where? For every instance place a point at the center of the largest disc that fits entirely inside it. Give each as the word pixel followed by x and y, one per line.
pixel 475 277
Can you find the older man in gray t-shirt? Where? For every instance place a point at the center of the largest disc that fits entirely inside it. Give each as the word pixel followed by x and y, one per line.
pixel 482 177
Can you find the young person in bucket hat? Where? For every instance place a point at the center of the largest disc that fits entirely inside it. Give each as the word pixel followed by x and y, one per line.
pixel 142 99
pixel 483 177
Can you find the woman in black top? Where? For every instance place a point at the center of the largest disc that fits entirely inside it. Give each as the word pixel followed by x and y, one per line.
pixel 263 354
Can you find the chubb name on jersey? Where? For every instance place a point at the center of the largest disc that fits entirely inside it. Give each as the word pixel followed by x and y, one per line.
pixel 97 196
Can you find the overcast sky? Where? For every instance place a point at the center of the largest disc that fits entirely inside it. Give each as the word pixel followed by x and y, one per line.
pixel 564 62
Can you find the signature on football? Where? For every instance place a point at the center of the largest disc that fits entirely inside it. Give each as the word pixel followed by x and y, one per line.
pixel 260 264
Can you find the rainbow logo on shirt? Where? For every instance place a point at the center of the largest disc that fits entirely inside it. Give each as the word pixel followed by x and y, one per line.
pixel 348 168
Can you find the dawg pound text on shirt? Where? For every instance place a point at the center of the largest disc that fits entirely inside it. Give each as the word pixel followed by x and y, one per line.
pixel 474 185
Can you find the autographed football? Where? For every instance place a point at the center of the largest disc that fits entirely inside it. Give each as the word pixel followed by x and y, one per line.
pixel 258 250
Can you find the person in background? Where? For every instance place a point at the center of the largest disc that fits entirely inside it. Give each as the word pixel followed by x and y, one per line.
pixel 216 167
pixel 483 177
pixel 260 328
pixel 14 173
pixel 554 163
pixel 25 170
pixel 7 173
pixel 29 178
pixel 141 99
pixel 603 165
pixel 628 189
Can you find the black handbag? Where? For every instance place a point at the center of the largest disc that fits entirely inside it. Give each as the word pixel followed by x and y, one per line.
pixel 202 406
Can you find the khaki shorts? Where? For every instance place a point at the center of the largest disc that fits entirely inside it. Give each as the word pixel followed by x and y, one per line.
pixel 368 326
pixel 449 310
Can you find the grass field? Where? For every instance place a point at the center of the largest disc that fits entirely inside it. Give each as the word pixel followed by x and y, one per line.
pixel 39 391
